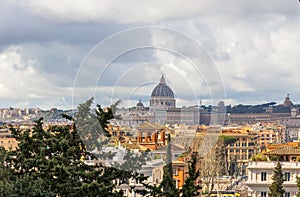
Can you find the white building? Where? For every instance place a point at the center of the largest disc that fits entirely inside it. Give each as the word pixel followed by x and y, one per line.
pixel 162 109
pixel 260 178
pixel 260 173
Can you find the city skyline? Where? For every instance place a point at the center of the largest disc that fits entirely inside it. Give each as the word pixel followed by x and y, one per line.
pixel 253 46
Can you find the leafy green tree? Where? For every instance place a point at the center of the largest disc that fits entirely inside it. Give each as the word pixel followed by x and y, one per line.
pixel 276 188
pixel 191 187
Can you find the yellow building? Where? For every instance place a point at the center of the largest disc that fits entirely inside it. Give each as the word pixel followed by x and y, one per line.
pixel 7 141
pixel 239 153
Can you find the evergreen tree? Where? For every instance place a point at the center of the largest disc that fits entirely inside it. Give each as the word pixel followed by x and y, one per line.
pixel 51 162
pixel 276 188
pixel 91 128
pixel 298 186
pixel 5 174
pixel 168 184
pixel 191 187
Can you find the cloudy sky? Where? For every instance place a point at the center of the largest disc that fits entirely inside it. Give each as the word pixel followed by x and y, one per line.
pixel 58 53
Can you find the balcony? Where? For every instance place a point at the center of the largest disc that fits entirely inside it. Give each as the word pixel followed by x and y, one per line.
pixel 272 164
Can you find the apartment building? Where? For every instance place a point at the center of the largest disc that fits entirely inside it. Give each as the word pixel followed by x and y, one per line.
pixel 239 153
pixel 260 173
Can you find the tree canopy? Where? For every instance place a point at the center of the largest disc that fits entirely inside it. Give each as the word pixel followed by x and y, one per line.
pixel 51 161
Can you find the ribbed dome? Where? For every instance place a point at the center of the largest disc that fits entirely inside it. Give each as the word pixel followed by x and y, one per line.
pixel 162 90
pixel 140 104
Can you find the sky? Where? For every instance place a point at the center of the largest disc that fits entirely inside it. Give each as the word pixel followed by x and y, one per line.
pixel 60 53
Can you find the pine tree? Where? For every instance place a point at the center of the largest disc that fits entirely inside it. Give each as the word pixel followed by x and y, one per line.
pixel 168 184
pixel 191 187
pixel 5 174
pixel 298 186
pixel 49 162
pixel 276 188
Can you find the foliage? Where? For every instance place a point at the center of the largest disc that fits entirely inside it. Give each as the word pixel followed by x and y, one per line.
pixel 191 187
pixel 298 185
pixel 259 157
pixel 228 139
pixel 276 188
pixel 51 162
pixel 249 108
pixel 213 165
pixel 168 184
pixel 47 163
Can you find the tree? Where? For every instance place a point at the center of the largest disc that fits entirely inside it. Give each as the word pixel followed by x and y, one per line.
pixel 298 186
pixel 276 188
pixel 222 144
pixel 168 184
pixel 191 187
pixel 50 162
pixel 212 164
pixel 91 128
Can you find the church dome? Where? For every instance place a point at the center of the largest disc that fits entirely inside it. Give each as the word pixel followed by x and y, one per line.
pixel 140 104
pixel 162 90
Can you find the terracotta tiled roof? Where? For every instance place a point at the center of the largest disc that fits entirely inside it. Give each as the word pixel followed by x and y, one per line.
pixel 149 126
pixel 285 150
pixel 271 147
pixel 174 147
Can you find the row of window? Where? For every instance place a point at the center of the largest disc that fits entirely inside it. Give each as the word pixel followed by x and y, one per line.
pixel 243 157
pixel 267 135
pixel 238 144
pixel 264 194
pixel 263 176
pixel 238 150
pixel 1 142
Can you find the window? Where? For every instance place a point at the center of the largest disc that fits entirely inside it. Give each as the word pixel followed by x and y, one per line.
pixel 244 144
pixel 287 194
pixel 263 176
pixel 175 171
pixel 287 176
pixel 263 194
pixel 237 150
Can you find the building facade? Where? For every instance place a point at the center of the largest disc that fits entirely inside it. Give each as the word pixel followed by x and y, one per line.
pixel 239 153
pixel 260 178
pixel 162 109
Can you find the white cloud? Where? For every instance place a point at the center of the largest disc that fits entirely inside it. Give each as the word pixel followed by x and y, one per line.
pixel 135 11
pixel 20 82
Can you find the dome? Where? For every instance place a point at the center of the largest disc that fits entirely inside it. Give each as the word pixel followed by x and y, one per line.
pixel 162 89
pixel 140 104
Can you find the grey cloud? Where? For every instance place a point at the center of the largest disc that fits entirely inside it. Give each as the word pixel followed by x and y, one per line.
pixel 253 43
